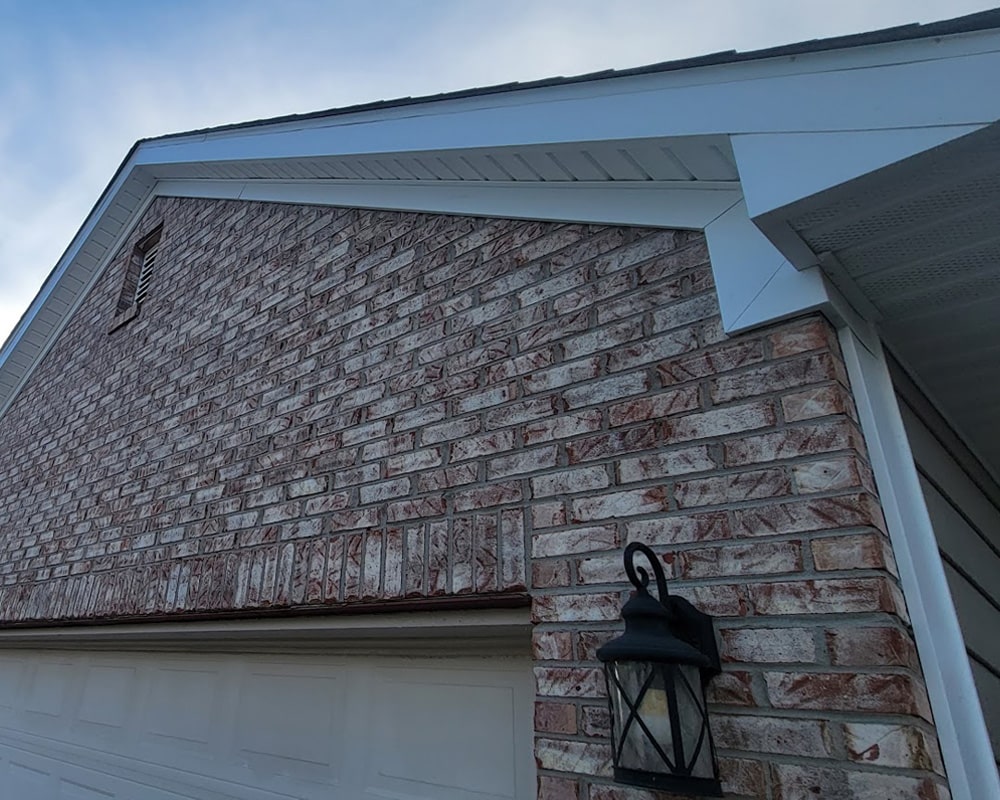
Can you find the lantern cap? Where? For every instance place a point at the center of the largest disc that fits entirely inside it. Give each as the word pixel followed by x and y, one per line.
pixel 665 630
pixel 648 636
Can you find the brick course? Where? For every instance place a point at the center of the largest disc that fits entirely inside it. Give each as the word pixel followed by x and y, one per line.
pixel 328 407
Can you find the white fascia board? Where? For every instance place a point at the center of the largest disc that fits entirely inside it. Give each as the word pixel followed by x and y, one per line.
pixel 691 205
pixel 45 317
pixel 778 169
pixel 64 266
pixel 755 282
pixel 958 716
pixel 849 98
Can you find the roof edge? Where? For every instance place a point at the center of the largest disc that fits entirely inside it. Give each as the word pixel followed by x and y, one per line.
pixel 970 23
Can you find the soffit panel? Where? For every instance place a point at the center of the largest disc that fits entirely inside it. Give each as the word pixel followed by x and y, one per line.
pixel 920 242
pixel 707 158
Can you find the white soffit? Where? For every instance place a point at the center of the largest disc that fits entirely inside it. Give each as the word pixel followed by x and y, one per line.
pixel 781 168
pixel 919 243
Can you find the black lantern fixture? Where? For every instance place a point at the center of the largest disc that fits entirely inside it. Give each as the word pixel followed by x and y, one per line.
pixel 656 673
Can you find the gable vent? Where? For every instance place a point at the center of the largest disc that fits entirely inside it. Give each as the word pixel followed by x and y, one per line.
pixel 146 271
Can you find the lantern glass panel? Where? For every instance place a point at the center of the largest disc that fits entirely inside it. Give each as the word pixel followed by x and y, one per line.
pixel 648 737
pixel 694 722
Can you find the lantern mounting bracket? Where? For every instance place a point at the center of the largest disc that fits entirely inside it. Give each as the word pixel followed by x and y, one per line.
pixel 687 622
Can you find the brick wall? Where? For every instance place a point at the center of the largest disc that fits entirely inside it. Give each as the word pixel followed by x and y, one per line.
pixel 334 407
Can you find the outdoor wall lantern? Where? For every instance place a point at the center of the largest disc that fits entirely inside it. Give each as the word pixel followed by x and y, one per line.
pixel 656 673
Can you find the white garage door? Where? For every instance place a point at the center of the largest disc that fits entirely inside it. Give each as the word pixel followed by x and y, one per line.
pixel 151 726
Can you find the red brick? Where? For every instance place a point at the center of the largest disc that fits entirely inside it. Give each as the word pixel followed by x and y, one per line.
pixel 860 551
pixel 847 691
pixel 600 791
pixel 548 515
pixel 353 410
pixel 659 405
pixel 732 488
pixel 685 312
pixel 779 376
pixel 717 599
pixel 829 596
pixel 669 462
pixel 451 429
pixel 605 390
pixel 744 776
pixel 595 721
pixel 561 755
pixel 547 645
pixel 570 681
pixel 493 494
pixel 812 514
pixel 832 474
pixel 549 574
pixel 801 440
pixel 603 338
pixel 801 337
pixel 451 476
pixel 768 645
pixel 756 558
pixel 871 646
pixel 892 745
pixel 647 351
pixel 677 529
pixel 421 507
pixel 483 445
pixel 732 689
pixel 576 607
pixel 574 540
pixel 553 788
pixel 588 642
pixel 574 481
pixel 620 504
pixel 822 401
pixel 566 374
pixel 528 410
pixel 614 444
pixel 522 462
pixel 810 738
pixel 412 462
pixel 555 717
pixel 720 422
pixel 794 782
pixel 713 361
pixel 603 569
pixel 564 426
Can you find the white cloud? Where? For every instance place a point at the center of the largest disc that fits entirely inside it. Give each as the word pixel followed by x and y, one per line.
pixel 73 108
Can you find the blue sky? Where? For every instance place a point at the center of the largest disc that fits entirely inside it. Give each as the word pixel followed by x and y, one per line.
pixel 80 81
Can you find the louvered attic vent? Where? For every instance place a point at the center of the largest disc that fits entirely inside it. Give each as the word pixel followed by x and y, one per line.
pixel 146 270
pixel 138 278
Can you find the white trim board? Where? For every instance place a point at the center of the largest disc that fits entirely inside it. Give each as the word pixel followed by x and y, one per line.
pixel 689 205
pixel 849 90
pixel 965 743
pixel 425 632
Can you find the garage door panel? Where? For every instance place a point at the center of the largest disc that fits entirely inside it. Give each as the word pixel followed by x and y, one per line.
pixel 447 734
pixel 25 780
pixel 48 688
pixel 180 707
pixel 71 790
pixel 123 777
pixel 12 672
pixel 108 693
pixel 290 715
pixel 152 726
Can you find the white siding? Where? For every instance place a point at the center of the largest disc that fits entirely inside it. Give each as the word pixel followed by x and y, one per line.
pixel 966 517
